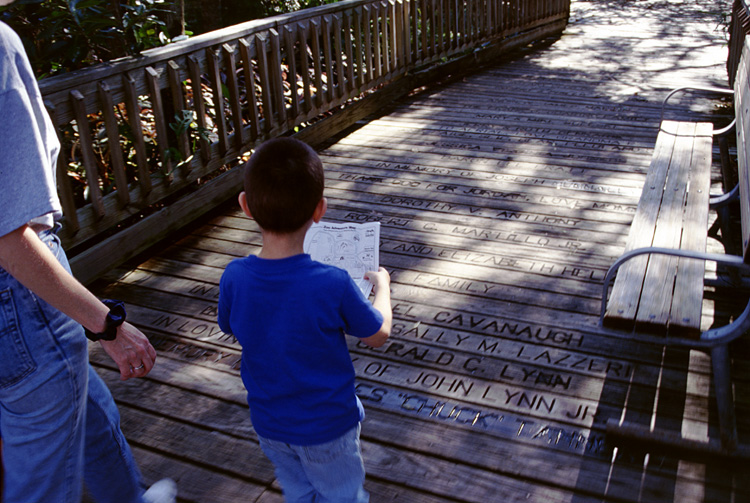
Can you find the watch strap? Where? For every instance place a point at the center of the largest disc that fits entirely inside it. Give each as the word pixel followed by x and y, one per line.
pixel 115 317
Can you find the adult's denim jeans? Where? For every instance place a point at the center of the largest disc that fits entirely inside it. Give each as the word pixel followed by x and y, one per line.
pixel 58 420
pixel 332 472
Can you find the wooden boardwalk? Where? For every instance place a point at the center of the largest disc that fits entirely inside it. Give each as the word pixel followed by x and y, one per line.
pixel 503 198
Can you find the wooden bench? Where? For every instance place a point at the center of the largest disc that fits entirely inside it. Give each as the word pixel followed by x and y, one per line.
pixel 652 292
pixel 659 279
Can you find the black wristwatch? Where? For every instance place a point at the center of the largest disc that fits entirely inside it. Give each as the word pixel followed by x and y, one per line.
pixel 115 318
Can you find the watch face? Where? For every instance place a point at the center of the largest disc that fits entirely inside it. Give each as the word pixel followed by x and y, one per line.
pixel 117 314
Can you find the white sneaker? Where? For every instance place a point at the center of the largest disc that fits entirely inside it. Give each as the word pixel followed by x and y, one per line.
pixel 163 491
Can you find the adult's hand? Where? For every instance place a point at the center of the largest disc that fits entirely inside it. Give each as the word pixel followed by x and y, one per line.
pixel 31 262
pixel 131 351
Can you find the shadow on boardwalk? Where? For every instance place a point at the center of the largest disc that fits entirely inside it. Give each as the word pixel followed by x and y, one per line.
pixel 503 198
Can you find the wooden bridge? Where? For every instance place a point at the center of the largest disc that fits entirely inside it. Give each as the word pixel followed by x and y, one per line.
pixel 504 194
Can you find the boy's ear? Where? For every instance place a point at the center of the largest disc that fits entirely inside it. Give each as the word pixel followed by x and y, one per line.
pixel 320 210
pixel 243 204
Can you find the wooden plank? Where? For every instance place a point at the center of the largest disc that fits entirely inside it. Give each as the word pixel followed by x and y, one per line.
pixel 688 293
pixel 269 118
pixel 407 19
pixel 658 284
pixel 113 141
pixel 741 97
pixel 194 482
pixel 376 41
pixel 214 75
pixel 349 52
pixel 237 457
pixel 385 37
pixel 199 105
pixel 302 34
pixel 317 64
pixel 174 73
pixel 623 301
pixel 64 188
pixel 252 100
pixel 277 79
pixel 290 39
pixel 393 37
pixel 328 60
pixel 87 153
pixel 230 65
pixel 423 30
pixel 432 28
pixel 430 151
pixel 360 56
pixel 441 27
pixel 338 51
pixel 160 121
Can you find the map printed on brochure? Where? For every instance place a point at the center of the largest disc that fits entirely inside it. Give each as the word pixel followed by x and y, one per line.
pixel 350 246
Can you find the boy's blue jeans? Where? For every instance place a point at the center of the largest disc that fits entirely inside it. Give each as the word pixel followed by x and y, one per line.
pixel 332 472
pixel 58 421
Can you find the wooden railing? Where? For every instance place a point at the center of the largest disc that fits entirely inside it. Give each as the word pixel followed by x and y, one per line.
pixel 151 143
pixel 739 27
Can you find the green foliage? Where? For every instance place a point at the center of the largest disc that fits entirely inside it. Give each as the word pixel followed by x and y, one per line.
pixel 184 122
pixel 282 6
pixel 143 26
pixel 64 35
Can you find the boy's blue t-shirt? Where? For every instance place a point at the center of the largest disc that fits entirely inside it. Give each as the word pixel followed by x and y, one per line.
pixel 290 316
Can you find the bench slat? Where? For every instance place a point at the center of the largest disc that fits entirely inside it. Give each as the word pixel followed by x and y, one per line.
pixel 623 301
pixel 658 284
pixel 742 111
pixel 644 292
pixel 687 300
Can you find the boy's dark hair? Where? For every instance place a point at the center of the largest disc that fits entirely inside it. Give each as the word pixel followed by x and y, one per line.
pixel 284 182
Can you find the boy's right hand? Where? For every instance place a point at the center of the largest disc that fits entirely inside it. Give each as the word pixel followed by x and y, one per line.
pixel 381 282
pixel 379 279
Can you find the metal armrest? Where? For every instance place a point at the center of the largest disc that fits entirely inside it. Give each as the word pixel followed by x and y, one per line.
pixel 724 199
pixel 710 338
pixel 718 90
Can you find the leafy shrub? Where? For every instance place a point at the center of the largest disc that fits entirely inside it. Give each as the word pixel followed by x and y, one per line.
pixel 64 35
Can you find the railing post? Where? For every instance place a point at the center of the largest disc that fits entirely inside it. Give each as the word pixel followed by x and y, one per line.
pixel 67 200
pixel 230 66
pixel 304 65
pixel 265 82
pixel 136 130
pixel 178 104
pixel 214 75
pixel 199 106
pixel 291 62
pixel 317 66
pixel 249 72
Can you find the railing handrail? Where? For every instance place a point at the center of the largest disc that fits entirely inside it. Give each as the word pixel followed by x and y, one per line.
pixel 214 38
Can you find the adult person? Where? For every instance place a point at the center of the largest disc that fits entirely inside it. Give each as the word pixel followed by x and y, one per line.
pixel 58 421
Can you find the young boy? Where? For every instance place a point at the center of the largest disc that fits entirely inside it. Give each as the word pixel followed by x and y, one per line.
pixel 289 314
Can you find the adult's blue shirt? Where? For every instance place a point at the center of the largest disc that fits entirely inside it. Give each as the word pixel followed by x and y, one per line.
pixel 28 143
